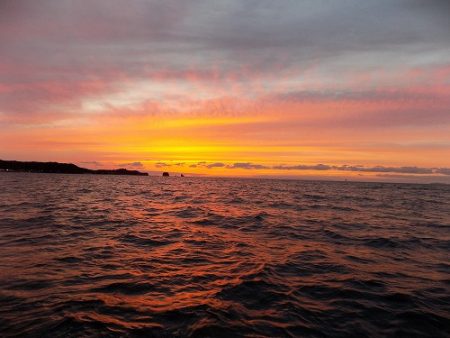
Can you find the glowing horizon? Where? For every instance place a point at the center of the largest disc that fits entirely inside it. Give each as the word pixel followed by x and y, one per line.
pixel 279 89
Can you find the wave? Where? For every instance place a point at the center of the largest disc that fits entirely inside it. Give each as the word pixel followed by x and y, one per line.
pixel 200 257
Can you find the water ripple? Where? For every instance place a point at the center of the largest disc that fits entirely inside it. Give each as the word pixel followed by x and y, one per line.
pixel 94 256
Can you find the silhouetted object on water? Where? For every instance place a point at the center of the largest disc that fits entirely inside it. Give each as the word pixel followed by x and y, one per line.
pixel 182 175
pixel 61 168
pixel 166 173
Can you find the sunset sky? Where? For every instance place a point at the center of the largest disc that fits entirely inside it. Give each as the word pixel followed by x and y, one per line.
pixel 321 89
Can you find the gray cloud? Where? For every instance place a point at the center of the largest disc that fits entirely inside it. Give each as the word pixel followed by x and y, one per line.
pixel 215 165
pixel 304 167
pixel 246 165
pixel 357 168
pixel 164 164
pixel 199 164
pixel 443 171
pixel 79 46
pixel 132 165
pixel 413 170
pixel 382 169
pixel 356 95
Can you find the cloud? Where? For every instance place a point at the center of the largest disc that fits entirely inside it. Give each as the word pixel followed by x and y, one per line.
pixel 443 171
pixel 164 164
pixel 60 54
pixel 376 169
pixel 303 73
pixel 246 165
pixel 215 165
pixel 304 167
pixel 382 169
pixel 132 165
pixel 413 170
pixel 358 95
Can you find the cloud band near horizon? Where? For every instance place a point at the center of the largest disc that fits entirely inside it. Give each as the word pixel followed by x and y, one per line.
pixel 317 167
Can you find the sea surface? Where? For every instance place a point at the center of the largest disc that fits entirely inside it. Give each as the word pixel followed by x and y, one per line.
pixel 122 256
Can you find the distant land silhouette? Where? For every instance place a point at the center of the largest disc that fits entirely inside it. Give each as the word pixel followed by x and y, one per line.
pixel 61 168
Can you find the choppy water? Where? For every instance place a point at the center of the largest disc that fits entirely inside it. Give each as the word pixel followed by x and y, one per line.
pixel 106 256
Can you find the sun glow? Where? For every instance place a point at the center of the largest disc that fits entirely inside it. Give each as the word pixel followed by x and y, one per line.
pixel 188 93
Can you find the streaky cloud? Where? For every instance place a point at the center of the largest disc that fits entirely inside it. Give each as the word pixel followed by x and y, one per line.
pixel 132 165
pixel 303 167
pixel 246 165
pixel 414 170
pixel 215 165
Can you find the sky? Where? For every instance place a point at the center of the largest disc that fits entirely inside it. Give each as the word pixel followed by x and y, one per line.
pixel 344 89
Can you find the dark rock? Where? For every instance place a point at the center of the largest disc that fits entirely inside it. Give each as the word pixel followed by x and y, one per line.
pixel 61 168
pixel 166 173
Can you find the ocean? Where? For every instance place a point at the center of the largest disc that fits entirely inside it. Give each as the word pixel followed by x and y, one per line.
pixel 122 256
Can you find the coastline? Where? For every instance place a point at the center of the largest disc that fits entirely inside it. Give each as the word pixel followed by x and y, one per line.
pixel 61 168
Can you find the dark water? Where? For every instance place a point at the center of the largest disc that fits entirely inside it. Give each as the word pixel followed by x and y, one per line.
pixel 99 256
